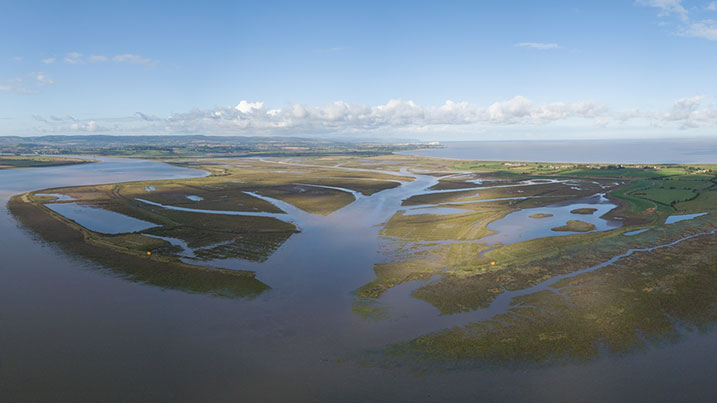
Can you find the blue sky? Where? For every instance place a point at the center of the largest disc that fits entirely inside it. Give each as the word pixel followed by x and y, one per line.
pixel 429 70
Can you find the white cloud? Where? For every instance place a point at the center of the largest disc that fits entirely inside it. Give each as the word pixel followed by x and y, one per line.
pixel 73 58
pixel 16 85
pixel 341 117
pixel 16 59
pixel 537 45
pixel 42 79
pixel 89 126
pixel 247 107
pixel 79 58
pixel 19 85
pixel 49 60
pixel 133 59
pixel 706 29
pixel 667 7
pixel 395 116
pixel 683 108
pixel 688 113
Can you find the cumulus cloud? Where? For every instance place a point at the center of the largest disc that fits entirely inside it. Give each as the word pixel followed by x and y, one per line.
pixel 683 108
pixel 49 60
pixel 343 118
pixel 89 126
pixel 689 113
pixel 537 45
pixel 97 59
pixel 247 107
pixel 712 6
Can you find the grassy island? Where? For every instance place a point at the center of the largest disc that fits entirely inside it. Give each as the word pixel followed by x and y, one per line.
pixel 584 211
pixel 575 226
pixel 22 161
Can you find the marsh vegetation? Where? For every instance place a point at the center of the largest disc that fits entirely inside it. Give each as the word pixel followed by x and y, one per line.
pixel 34 161
pixel 463 235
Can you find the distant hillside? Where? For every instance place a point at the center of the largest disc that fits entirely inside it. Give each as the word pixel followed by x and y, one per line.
pixel 194 145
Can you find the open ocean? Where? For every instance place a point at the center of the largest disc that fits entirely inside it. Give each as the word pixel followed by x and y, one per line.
pixel 663 151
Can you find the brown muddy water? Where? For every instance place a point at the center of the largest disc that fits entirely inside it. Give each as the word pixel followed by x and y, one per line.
pixel 69 331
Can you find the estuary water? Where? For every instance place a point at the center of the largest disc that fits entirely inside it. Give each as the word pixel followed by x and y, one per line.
pixel 99 220
pixel 69 331
pixel 670 151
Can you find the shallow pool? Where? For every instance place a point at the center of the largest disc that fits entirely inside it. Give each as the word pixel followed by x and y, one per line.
pixel 682 217
pixel 637 231
pixel 99 220
pixel 519 226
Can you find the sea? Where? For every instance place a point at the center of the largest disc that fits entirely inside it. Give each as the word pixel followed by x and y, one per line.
pixel 643 151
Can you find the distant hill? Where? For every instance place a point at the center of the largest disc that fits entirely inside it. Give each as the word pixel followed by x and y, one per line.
pixel 167 146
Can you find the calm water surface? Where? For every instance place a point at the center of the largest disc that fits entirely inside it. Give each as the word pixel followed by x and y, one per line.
pixel 99 220
pixel 69 331
pixel 702 150
pixel 682 217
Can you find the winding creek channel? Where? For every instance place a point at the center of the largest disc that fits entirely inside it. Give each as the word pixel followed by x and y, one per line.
pixel 70 331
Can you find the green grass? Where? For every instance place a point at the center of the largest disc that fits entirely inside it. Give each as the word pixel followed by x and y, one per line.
pixel 649 298
pixel 10 162
pixel 523 264
pixel 126 257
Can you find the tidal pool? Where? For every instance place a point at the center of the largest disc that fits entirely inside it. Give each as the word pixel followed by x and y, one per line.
pixel 635 232
pixel 682 217
pixel 99 220
pixel 519 226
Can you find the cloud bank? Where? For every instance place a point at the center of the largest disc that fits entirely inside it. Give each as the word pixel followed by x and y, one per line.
pixel 395 116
